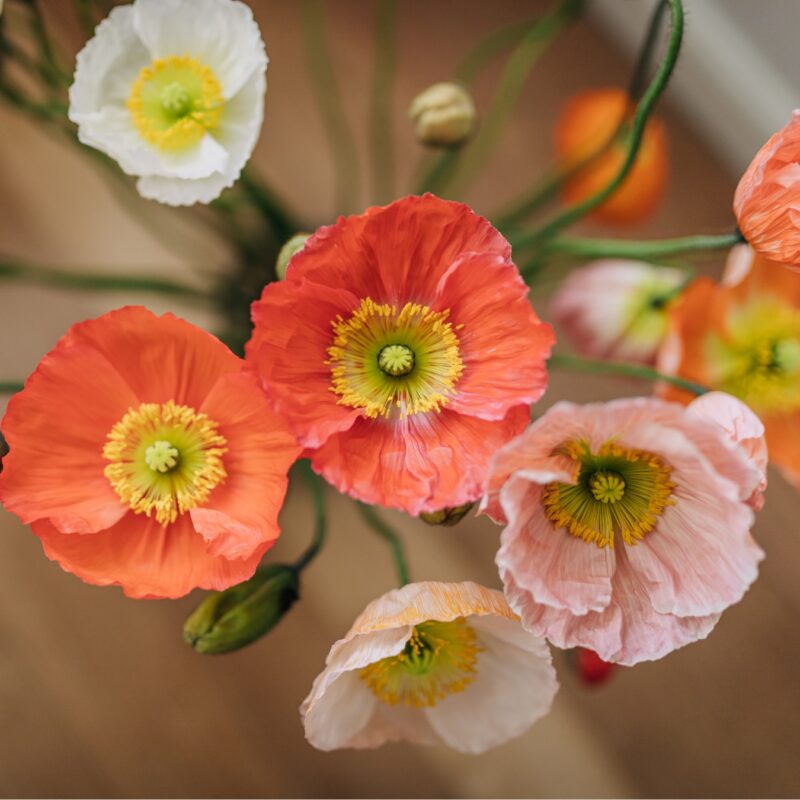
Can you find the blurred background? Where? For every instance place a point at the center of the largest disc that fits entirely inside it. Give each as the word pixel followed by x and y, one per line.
pixel 99 696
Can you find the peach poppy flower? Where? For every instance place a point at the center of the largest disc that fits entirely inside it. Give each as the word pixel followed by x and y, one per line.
pixel 403 351
pixel 431 662
pixel 627 524
pixel 143 455
pixel 587 121
pixel 616 309
pixel 767 197
pixel 743 337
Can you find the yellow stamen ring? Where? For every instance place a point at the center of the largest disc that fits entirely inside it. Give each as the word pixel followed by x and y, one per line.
pixel 439 659
pixel 165 459
pixel 383 358
pixel 618 491
pixel 174 102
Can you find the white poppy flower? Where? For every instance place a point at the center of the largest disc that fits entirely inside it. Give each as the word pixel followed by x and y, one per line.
pixel 173 90
pixel 431 662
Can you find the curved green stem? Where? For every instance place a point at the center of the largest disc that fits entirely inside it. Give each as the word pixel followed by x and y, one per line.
pixel 326 88
pixel 634 138
pixel 317 487
pixel 268 205
pixel 601 367
pixel 388 533
pixel 643 62
pixel 75 279
pixel 380 122
pixel 651 250
pixel 10 387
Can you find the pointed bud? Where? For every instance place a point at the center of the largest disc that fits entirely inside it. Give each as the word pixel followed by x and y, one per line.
pixel 591 668
pixel 444 115
pixel 228 620
pixel 446 516
pixel 294 245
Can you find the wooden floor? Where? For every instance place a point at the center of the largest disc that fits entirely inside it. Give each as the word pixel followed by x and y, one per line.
pixel 98 694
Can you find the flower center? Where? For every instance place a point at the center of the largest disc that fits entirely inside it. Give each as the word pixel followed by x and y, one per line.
pixel 439 659
pixel 174 101
pixel 758 357
pixel 383 359
pixel 396 359
pixel 164 459
pixel 618 491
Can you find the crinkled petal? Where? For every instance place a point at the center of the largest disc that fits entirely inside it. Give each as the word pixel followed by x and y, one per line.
pixel 146 559
pixel 241 514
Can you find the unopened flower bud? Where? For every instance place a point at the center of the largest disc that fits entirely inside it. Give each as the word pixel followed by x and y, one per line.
pixel 294 245
pixel 228 620
pixel 591 668
pixel 446 516
pixel 444 115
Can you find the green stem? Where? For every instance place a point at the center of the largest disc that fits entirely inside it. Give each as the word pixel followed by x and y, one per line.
pixel 653 250
pixel 385 531
pixel 50 70
pixel 326 88
pixel 634 138
pixel 486 50
pixel 10 387
pixel 381 144
pixel 77 279
pixel 509 88
pixel 85 14
pixel 639 75
pixel 268 204
pixel 317 487
pixel 601 367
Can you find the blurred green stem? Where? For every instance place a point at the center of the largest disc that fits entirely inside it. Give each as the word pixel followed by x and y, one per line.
pixel 601 367
pixel 380 123
pixel 76 279
pixel 268 204
pixel 390 535
pixel 329 98
pixel 634 137
pixel 10 387
pixel 317 488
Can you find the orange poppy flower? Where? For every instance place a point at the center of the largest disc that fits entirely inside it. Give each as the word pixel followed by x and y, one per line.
pixel 743 336
pixel 143 455
pixel 587 121
pixel 403 351
pixel 767 197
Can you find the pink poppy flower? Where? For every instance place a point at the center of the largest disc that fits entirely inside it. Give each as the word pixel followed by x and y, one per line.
pixel 627 523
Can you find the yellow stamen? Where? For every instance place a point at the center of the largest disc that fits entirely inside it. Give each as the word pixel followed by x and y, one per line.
pixel 174 101
pixel 439 659
pixel 618 490
pixel 383 359
pixel 165 459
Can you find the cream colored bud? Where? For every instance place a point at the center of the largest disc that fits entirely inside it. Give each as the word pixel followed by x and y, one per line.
pixel 444 115
pixel 294 245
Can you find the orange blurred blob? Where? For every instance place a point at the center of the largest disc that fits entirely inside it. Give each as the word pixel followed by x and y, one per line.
pixel 587 121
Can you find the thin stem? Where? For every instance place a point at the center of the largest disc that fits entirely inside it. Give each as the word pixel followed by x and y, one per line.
pixel 634 139
pixel 490 47
pixel 268 204
pixel 77 279
pixel 50 70
pixel 326 88
pixel 645 59
pixel 388 533
pixel 10 387
pixel 509 88
pixel 601 367
pixel 317 487
pixel 85 14
pixel 381 142
pixel 586 248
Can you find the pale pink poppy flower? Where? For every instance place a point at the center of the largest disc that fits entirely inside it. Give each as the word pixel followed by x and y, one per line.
pixel 616 309
pixel 431 662
pixel 628 523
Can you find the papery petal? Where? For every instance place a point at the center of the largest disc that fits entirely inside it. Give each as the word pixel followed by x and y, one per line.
pixel 241 514
pixel 146 559
pixel 419 463
pixel 502 342
pixel 514 687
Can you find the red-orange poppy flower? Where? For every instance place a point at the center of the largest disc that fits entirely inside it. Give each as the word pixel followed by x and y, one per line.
pixel 767 199
pixel 743 336
pixel 403 351
pixel 144 455
pixel 586 123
